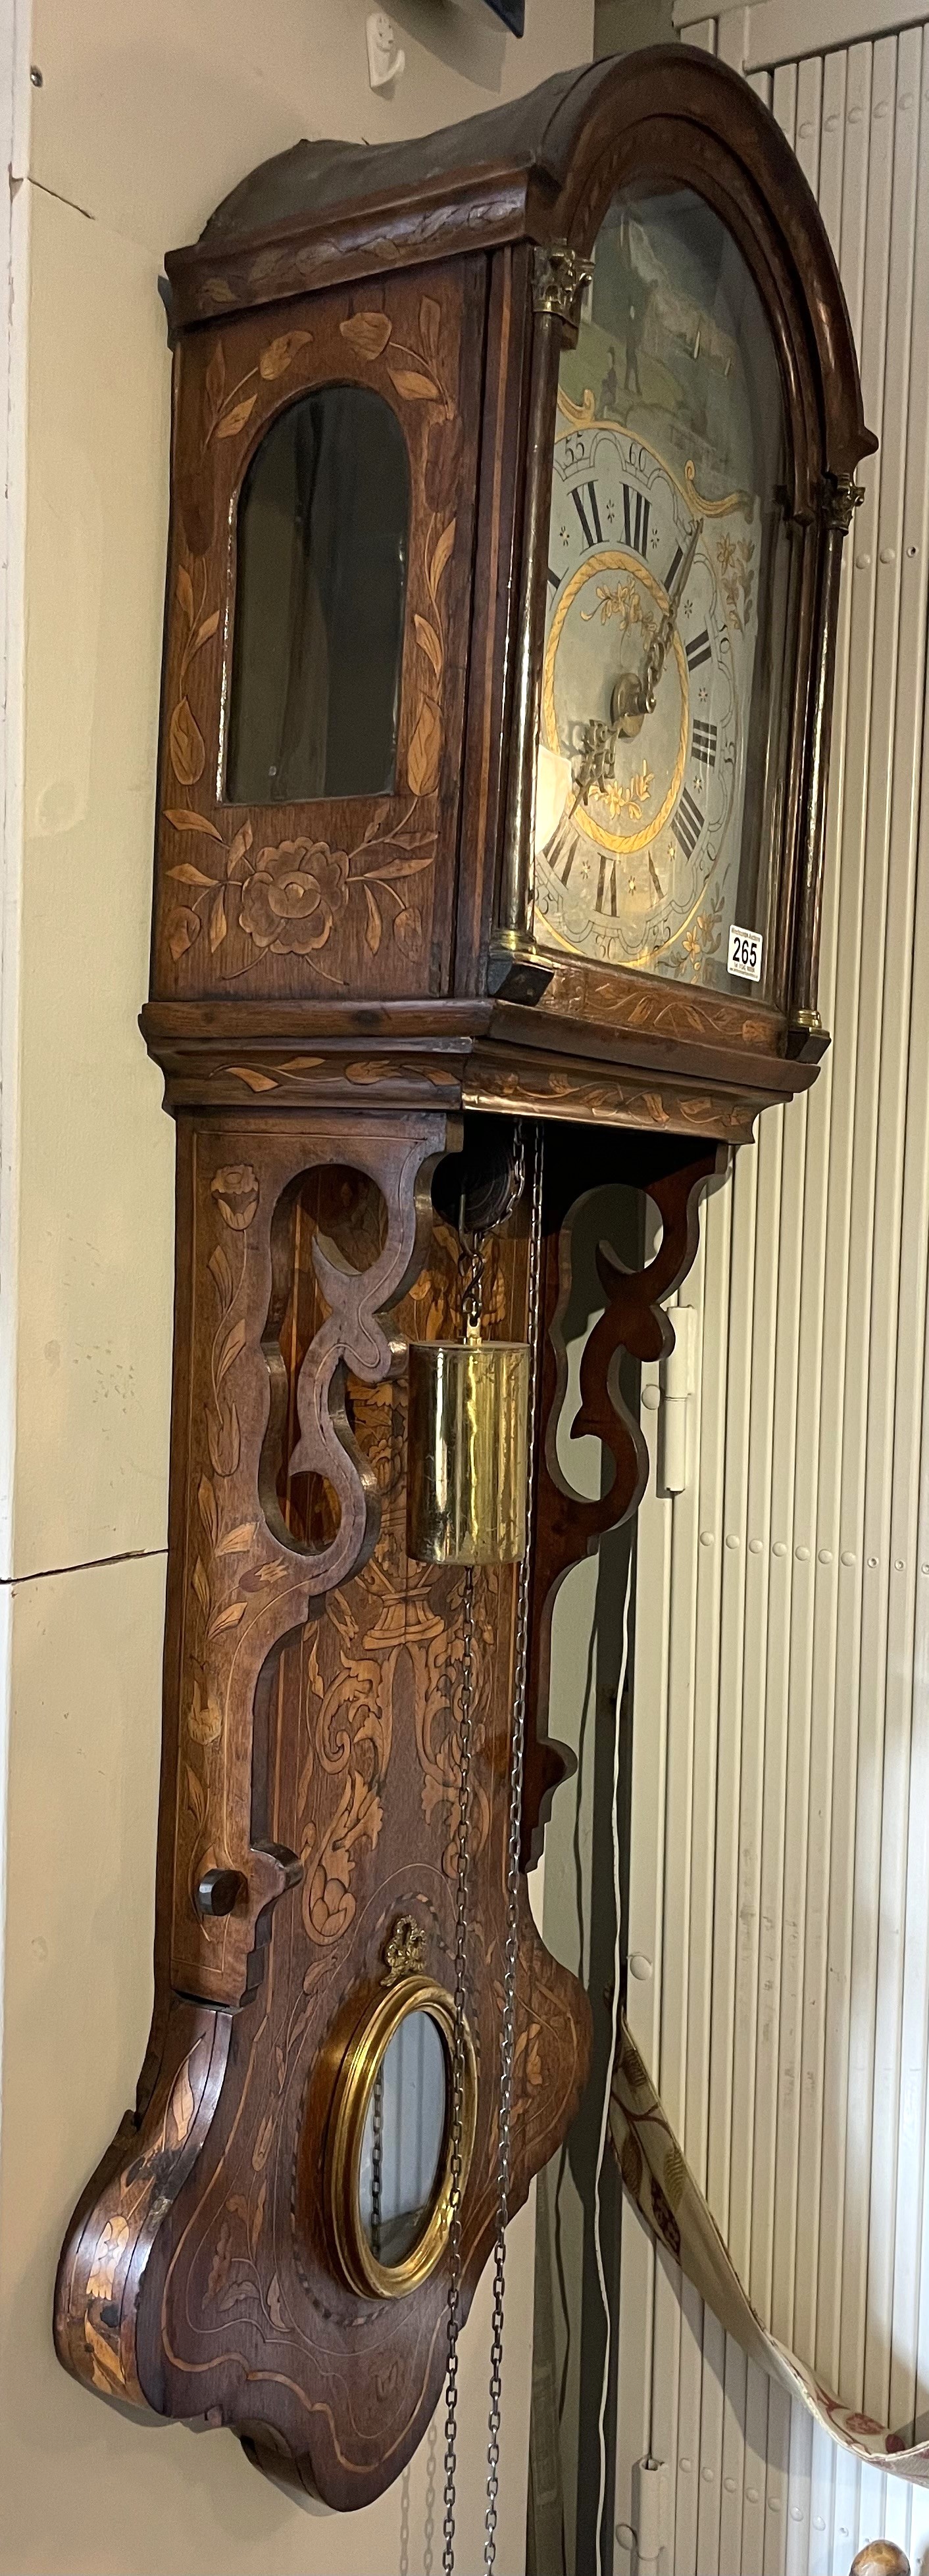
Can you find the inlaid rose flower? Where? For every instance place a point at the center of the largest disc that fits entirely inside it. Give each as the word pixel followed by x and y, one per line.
pixel 235 1190
pixel 292 898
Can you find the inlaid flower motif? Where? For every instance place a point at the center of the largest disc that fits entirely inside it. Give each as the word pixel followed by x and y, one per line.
pixel 235 1190
pixel 111 2246
pixel 290 902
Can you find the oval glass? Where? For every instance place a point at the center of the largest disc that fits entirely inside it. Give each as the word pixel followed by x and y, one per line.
pixel 671 611
pixel 321 567
pixel 389 2141
pixel 403 2142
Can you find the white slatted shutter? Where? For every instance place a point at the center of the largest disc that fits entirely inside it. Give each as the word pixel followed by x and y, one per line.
pixel 780 1817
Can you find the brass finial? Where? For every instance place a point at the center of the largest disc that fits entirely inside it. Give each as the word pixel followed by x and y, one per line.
pixel 405 1952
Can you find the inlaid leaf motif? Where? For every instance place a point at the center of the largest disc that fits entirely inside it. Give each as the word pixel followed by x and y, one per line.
pixel 217 923
pixel 430 317
pixel 443 549
pixel 201 1586
pixel 186 874
pixel 206 1506
pixel 275 2309
pixel 183 929
pixel 253 1081
pixel 185 593
pixel 233 1344
pixel 186 821
pixel 219 1270
pixel 413 387
pixel 228 1618
pixel 262 2146
pixel 374 925
pixel 196 1797
pixel 111 2245
pixel 186 745
pixel 408 930
pixel 238 2296
pixel 219 2268
pixel 237 1541
pixel 224 1440
pixel 431 643
pixel 258 2217
pixel 204 631
pixel 234 420
pixel 238 848
pixel 422 763
pixel 204 1718
pixel 280 354
pixel 367 332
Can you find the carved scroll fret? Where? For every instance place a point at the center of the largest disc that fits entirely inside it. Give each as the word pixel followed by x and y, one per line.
pixel 239 1582
pixel 568 1524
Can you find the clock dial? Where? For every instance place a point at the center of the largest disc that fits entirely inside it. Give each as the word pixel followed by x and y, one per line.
pixel 663 529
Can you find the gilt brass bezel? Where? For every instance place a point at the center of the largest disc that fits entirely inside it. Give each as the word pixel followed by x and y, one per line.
pixel 354 2086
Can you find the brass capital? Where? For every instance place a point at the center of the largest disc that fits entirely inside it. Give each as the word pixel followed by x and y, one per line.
pixel 842 496
pixel 558 280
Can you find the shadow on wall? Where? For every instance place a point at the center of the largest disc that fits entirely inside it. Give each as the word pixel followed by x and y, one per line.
pixel 621 26
pixel 466 39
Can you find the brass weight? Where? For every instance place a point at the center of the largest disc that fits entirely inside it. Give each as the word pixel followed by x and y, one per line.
pixel 467 1452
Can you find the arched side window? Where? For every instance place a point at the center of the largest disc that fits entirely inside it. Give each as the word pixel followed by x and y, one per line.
pixel 323 532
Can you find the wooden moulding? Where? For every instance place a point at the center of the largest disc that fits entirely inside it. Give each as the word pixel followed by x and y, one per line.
pixel 477 1055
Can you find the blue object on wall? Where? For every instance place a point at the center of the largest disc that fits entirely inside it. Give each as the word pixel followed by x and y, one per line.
pixel 512 12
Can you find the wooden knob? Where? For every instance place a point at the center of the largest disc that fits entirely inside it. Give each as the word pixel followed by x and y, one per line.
pixel 219 1890
pixel 880 2558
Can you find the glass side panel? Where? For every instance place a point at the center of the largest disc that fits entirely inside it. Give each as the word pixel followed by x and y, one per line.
pixel 668 652
pixel 320 590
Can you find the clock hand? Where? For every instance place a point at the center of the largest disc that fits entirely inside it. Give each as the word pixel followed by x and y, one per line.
pixel 634 694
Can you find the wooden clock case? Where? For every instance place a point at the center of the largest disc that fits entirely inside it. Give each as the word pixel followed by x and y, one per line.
pixel 341 992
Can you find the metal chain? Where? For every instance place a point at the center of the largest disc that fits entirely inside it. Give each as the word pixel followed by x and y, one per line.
pixel 471 1285
pixel 462 1857
pixel 511 1954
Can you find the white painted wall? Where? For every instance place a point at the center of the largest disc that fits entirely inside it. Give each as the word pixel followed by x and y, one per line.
pixel 148 111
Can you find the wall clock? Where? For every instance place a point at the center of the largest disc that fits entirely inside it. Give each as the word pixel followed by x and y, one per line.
pixel 509 478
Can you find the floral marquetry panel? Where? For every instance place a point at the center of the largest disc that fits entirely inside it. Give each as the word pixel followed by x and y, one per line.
pixel 314 897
